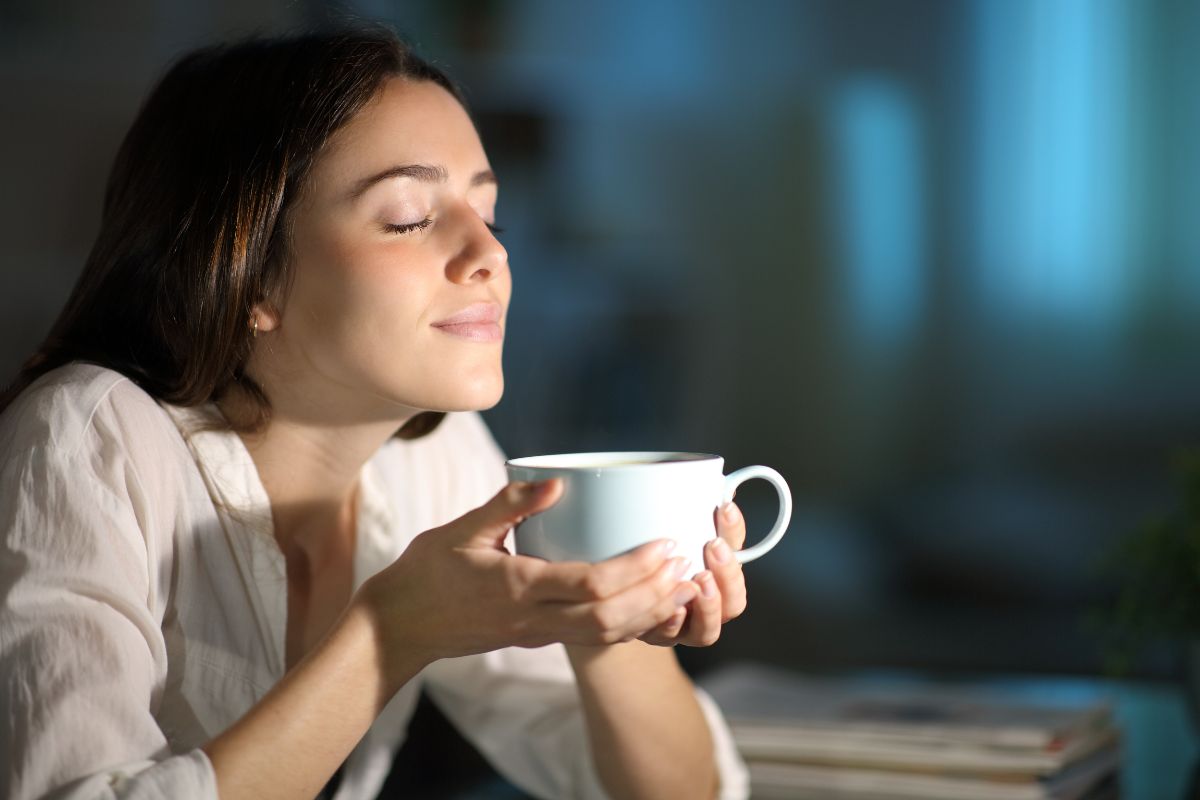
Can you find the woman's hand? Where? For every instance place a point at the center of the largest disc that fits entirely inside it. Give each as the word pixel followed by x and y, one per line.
pixel 722 586
pixel 456 590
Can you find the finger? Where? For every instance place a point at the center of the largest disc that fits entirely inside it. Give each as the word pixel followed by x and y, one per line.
pixel 730 580
pixel 731 525
pixel 666 633
pixel 671 614
pixel 580 582
pixel 636 610
pixel 704 618
pixel 488 525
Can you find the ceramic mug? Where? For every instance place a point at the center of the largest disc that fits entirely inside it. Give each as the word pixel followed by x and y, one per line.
pixel 614 502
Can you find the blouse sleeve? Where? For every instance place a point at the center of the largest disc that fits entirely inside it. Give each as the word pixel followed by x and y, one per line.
pixel 82 656
pixel 520 707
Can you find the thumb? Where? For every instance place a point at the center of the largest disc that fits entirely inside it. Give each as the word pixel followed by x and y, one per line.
pixel 488 525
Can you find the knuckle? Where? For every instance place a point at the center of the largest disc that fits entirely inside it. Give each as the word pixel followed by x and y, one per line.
pixel 533 570
pixel 601 619
pixel 611 637
pixel 518 579
pixel 592 584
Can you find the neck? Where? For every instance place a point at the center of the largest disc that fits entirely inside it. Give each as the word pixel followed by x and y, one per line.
pixel 310 471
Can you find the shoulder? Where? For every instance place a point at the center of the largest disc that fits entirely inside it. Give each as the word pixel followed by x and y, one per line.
pixel 57 408
pixel 86 453
pixel 62 410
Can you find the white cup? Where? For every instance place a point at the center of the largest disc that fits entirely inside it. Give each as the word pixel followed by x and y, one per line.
pixel 614 502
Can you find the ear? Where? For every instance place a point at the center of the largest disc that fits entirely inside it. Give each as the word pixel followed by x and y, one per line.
pixel 266 316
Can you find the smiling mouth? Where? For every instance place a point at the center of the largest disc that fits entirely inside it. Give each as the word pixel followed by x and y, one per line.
pixel 473 331
pixel 477 323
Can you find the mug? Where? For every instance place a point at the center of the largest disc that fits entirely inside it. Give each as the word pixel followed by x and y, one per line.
pixel 614 502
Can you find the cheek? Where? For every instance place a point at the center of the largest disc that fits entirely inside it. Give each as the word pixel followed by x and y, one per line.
pixel 346 287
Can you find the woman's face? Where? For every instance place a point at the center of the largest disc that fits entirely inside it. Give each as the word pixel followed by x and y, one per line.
pixel 400 289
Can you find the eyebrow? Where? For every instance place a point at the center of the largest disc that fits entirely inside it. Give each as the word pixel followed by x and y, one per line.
pixel 426 173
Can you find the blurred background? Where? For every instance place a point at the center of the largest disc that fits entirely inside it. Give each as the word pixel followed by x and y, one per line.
pixel 938 262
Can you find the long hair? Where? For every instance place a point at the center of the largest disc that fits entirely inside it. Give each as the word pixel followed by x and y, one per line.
pixel 195 229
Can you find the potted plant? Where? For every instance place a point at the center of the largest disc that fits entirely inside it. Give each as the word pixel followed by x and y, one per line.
pixel 1158 566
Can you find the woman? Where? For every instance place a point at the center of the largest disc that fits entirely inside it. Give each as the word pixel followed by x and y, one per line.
pixel 248 508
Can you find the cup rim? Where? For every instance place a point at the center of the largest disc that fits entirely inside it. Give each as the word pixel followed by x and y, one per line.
pixel 595 461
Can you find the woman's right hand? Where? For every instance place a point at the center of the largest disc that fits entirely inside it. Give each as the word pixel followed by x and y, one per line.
pixel 456 590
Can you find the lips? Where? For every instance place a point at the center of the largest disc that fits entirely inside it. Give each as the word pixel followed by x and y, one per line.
pixel 479 322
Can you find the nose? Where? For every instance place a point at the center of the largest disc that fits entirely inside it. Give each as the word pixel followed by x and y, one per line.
pixel 480 257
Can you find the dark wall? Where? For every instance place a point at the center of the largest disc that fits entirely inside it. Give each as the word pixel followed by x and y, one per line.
pixel 935 261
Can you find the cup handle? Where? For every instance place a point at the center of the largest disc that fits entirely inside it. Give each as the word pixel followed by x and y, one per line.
pixel 736 479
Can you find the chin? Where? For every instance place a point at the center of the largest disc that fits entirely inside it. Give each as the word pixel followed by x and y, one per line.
pixel 482 401
pixel 473 396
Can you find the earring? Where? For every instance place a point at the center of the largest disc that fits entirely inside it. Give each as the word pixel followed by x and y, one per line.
pixel 254 331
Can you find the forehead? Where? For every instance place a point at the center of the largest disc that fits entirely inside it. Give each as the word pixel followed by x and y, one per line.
pixel 407 122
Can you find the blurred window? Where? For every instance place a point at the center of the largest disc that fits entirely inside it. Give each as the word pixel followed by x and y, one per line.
pixel 1054 174
pixel 879 207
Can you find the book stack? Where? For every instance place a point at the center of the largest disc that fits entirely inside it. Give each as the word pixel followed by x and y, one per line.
pixel 874 739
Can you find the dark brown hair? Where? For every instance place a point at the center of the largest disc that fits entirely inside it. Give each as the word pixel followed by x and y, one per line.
pixel 195 227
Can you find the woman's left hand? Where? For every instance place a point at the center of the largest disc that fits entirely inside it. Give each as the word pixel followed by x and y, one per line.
pixel 722 595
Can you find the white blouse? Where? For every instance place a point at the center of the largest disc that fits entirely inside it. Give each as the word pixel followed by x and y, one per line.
pixel 143 603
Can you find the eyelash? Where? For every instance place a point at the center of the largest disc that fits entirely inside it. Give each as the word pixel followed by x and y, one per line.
pixel 425 223
pixel 410 227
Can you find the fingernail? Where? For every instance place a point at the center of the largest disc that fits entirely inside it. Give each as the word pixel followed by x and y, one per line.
pixel 665 547
pixel 670 570
pixel 681 565
pixel 730 512
pixel 685 596
pixel 708 587
pixel 720 551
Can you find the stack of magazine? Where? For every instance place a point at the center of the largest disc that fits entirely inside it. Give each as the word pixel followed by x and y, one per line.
pixel 867 739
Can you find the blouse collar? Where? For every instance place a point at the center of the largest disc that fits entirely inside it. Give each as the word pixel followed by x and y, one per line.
pixel 244 508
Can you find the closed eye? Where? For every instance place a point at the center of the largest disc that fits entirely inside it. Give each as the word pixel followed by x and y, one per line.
pixel 392 227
